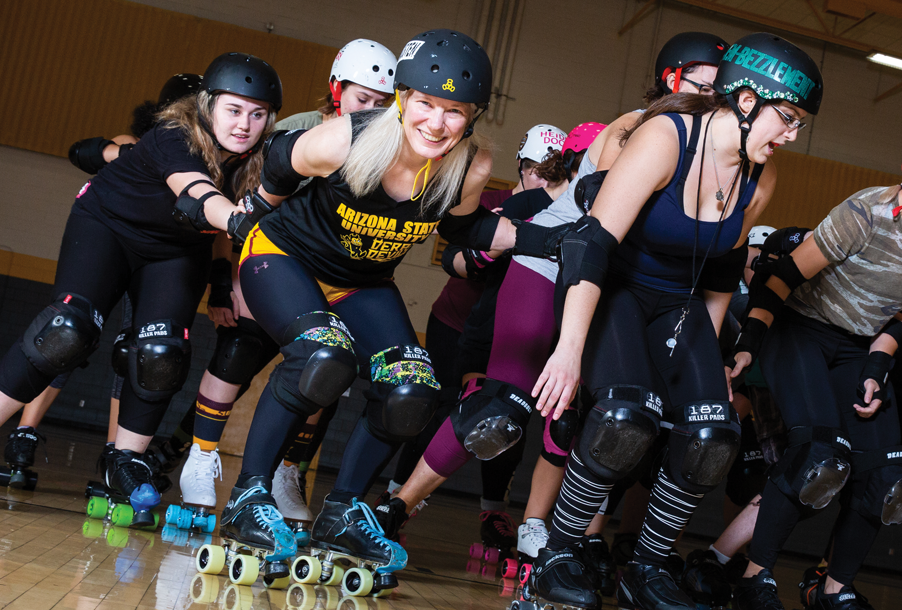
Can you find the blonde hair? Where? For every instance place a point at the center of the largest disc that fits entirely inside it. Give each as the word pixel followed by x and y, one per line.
pixel 190 114
pixel 377 149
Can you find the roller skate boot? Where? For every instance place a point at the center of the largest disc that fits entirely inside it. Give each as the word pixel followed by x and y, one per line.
pixel 847 599
pixel 127 496
pixel 198 488
pixel 705 581
pixel 811 578
pixel 757 593
pixel 391 515
pixel 735 568
pixel 559 580
pixel 676 565
pixel 253 535
pixel 623 546
pixel 169 454
pixel 598 557
pixel 497 533
pixel 290 491
pixel 650 587
pixel 162 482
pixel 531 537
pixel 19 455
pixel 349 534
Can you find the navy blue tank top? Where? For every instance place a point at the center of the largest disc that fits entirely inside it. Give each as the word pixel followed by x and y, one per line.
pixel 657 250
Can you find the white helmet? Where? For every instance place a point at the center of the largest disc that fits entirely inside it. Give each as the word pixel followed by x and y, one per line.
pixel 539 141
pixel 366 63
pixel 758 234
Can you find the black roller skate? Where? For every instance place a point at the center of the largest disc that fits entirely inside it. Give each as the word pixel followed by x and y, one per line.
pixel 497 534
pixel 598 556
pixel 19 455
pixel 558 579
pixel 705 581
pixel 350 535
pixel 253 533
pixel 811 578
pixel 169 454
pixel 757 593
pixel 127 496
pixel 811 591
pixel 651 587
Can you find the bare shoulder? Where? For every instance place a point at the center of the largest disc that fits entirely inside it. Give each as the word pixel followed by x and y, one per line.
pixel 481 167
pixel 323 149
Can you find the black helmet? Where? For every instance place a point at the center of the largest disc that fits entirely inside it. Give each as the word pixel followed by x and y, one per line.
pixel 686 49
pixel 179 86
pixel 774 69
pixel 246 75
pixel 446 64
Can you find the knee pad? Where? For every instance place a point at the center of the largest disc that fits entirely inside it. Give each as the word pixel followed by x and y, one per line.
pixel 319 363
pixel 119 359
pixel 704 442
pixel 815 465
pixel 404 378
pixel 492 419
pixel 561 432
pixel 240 351
pixel 748 475
pixel 619 430
pixel 63 335
pixel 883 491
pixel 159 360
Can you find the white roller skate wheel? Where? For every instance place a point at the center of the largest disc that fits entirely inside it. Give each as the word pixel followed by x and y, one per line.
pixel 238 598
pixel 204 589
pixel 210 559
pixel 338 573
pixel 357 582
pixel 306 570
pixel 244 570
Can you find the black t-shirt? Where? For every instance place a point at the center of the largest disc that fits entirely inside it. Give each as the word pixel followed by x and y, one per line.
pixel 130 195
pixel 348 241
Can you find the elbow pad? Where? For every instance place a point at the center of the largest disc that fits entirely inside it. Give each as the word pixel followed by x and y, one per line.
pixel 189 211
pixel 585 251
pixel 474 230
pixel 586 190
pixel 448 255
pixel 786 270
pixel 278 176
pixel 722 274
pixel 87 155
pixel 893 328
pixel 784 241
pixel 241 224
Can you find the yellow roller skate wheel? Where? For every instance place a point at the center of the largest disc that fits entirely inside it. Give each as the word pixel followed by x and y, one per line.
pixel 238 598
pixel 306 570
pixel 278 583
pixel 244 570
pixel 204 589
pixel 210 559
pixel 357 582
pixel 301 597
pixel 338 572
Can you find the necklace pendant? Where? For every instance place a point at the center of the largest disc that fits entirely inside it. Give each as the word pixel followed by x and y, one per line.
pixel 672 343
pixel 719 195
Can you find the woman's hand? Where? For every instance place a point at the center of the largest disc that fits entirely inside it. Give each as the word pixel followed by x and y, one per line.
pixel 225 316
pixel 870 387
pixel 556 386
pixel 743 360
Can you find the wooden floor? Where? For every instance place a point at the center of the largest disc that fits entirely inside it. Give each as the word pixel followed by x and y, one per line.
pixel 52 556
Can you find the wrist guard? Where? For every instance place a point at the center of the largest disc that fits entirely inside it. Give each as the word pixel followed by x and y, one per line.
pixel 750 339
pixel 476 262
pixel 539 242
pixel 87 155
pixel 241 224
pixel 876 367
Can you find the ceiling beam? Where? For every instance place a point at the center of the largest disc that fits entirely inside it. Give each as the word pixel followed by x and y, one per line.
pixel 818 15
pixel 856 24
pixel 638 16
pixel 888 93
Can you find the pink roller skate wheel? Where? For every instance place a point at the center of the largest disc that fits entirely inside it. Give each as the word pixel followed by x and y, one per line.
pixel 492 555
pixel 476 550
pixel 509 568
pixel 525 571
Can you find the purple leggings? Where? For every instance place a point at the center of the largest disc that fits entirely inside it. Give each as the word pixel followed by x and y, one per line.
pixel 524 335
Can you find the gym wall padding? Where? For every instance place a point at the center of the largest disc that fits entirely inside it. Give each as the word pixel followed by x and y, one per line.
pixel 72 70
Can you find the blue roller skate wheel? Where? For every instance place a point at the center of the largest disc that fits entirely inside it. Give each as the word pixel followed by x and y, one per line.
pixel 186 519
pixel 209 525
pixel 172 514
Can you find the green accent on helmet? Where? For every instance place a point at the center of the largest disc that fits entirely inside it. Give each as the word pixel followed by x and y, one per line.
pixel 769 67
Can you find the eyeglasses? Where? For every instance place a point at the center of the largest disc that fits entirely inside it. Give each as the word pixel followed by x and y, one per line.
pixel 703 89
pixel 791 123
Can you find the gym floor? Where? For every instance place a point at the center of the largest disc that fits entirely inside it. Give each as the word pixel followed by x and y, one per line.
pixel 53 556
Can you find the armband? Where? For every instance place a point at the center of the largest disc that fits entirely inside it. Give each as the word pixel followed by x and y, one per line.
pixel 786 270
pixel 241 224
pixel 448 255
pixel 189 211
pixel 87 155
pixel 722 274
pixel 893 328
pixel 538 241
pixel 750 339
pixel 876 367
pixel 279 176
pixel 584 252
pixel 220 283
pixel 473 230
pixel 476 262
pixel 586 190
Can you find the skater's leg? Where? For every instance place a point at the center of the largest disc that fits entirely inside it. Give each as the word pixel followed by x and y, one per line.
pixel 739 532
pixel 546 484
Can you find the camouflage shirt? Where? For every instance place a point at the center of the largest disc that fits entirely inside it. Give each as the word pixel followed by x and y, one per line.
pixel 861 288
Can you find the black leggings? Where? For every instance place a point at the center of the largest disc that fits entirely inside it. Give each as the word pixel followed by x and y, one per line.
pixel 278 289
pixel 96 264
pixel 812 369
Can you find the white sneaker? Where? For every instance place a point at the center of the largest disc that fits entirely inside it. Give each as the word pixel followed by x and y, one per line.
pixel 531 536
pixel 286 489
pixel 198 475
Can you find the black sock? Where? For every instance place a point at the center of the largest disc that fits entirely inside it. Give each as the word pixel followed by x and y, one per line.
pixel 669 510
pixel 577 504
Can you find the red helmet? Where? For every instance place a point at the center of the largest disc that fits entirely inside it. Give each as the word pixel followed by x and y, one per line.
pixel 582 136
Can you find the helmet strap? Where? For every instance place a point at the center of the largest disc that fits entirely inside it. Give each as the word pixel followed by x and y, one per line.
pixel 335 89
pixel 416 179
pixel 745 122
pixel 678 73
pixel 667 72
pixel 400 110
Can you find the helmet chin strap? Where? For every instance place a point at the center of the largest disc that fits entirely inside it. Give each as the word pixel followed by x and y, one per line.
pixel 335 89
pixel 745 122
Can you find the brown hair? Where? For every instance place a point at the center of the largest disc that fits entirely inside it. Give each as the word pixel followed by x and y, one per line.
pixel 657 91
pixel 190 114
pixel 681 103
pixel 327 103
pixel 555 167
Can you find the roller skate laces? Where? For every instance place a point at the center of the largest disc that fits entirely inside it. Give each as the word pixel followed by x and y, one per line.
pixel 531 536
pixel 497 528
pixel 757 593
pixel 369 526
pixel 268 517
pixel 21 446
pixel 127 473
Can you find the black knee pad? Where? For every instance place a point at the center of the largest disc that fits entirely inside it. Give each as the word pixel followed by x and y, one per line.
pixel 404 379
pixel 704 442
pixel 619 430
pixel 63 335
pixel 492 419
pixel 815 465
pixel 748 475
pixel 159 360
pixel 240 352
pixel 119 359
pixel 319 363
pixel 882 496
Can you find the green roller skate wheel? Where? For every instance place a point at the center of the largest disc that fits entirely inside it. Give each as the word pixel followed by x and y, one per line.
pixel 122 515
pixel 97 507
